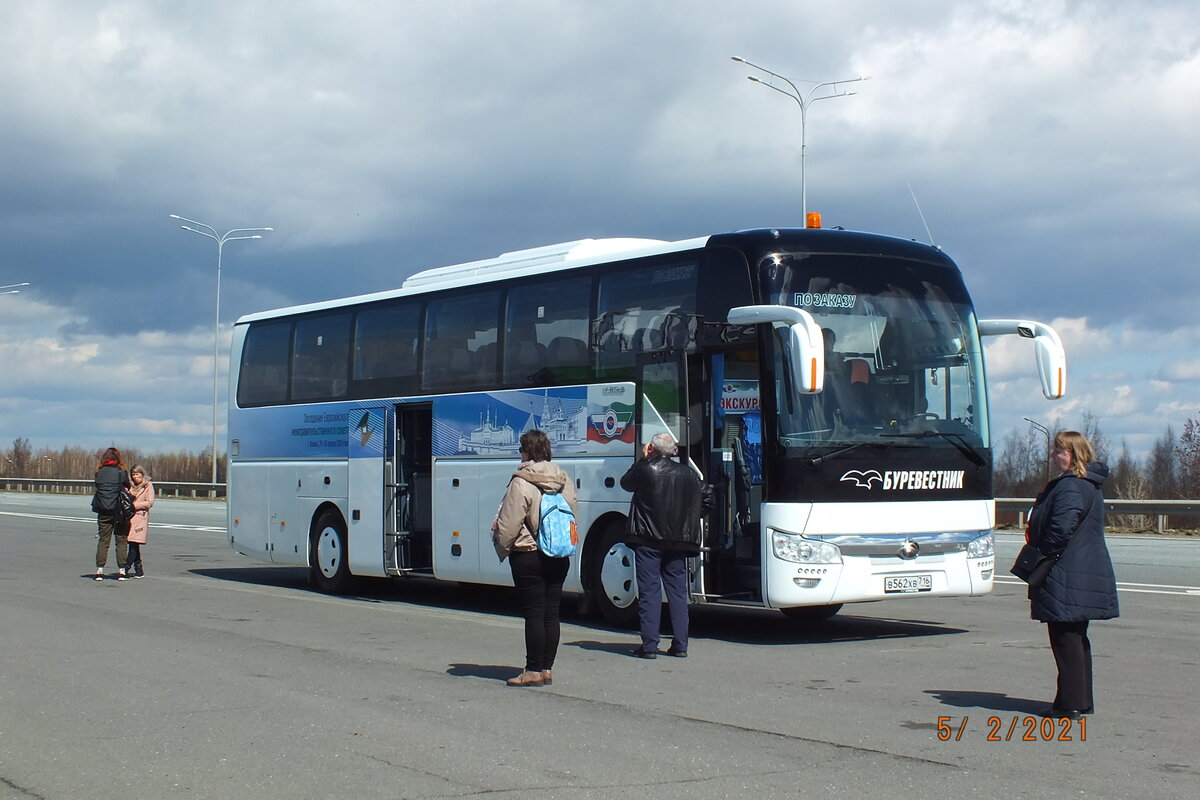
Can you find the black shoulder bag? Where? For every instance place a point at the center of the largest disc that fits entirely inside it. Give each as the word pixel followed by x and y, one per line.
pixel 1033 566
pixel 124 508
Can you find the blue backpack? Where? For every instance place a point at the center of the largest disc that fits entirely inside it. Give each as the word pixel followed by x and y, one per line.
pixel 557 535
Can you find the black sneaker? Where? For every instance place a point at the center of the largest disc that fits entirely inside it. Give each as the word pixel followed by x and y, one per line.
pixel 640 653
pixel 677 653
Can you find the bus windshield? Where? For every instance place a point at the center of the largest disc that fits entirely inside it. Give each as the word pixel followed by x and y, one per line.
pixel 902 353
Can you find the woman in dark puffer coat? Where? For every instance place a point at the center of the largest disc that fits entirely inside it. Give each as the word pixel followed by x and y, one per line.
pixel 1067 520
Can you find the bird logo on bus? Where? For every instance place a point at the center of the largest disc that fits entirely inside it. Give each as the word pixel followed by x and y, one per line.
pixel 863 479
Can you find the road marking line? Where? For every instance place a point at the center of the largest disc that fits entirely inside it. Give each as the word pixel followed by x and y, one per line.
pixel 1179 591
pixel 92 521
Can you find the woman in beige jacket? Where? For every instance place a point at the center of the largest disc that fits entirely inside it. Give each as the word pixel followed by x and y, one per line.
pixel 143 498
pixel 537 577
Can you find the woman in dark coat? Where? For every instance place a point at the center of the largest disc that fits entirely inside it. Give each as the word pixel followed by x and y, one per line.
pixel 1067 521
pixel 111 480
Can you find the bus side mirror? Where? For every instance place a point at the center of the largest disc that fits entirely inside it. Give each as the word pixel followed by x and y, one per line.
pixel 1048 350
pixel 803 341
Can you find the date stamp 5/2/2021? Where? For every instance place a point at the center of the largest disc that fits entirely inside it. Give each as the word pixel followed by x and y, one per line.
pixel 1016 728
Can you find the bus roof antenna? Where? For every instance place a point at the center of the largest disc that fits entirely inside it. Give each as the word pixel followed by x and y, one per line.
pixel 922 215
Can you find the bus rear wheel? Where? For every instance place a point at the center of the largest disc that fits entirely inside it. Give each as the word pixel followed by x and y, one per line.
pixel 811 613
pixel 329 567
pixel 613 580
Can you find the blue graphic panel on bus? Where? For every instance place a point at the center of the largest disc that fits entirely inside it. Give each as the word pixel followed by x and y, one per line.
pixel 293 431
pixel 578 420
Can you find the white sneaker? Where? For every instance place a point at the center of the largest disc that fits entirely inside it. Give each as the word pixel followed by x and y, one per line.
pixel 100 574
pixel 121 575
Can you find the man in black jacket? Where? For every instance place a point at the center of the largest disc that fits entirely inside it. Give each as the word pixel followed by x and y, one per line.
pixel 664 530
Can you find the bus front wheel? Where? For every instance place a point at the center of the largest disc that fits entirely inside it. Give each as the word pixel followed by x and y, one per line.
pixel 811 613
pixel 329 568
pixel 613 582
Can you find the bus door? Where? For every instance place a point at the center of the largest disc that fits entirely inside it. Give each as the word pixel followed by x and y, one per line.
pixel 663 407
pixel 408 492
pixel 734 429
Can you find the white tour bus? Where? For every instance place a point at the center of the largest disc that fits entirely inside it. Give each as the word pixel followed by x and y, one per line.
pixel 829 384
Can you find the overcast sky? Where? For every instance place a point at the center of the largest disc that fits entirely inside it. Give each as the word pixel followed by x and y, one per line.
pixel 1045 142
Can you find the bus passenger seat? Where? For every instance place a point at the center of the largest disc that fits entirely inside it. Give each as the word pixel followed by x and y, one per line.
pixel 465 364
pixel 565 351
pixel 526 355
pixel 403 363
pixel 446 362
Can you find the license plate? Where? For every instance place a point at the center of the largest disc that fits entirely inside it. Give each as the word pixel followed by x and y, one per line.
pixel 908 583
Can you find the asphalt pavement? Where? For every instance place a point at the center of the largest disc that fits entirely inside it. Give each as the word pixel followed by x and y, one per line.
pixel 218 677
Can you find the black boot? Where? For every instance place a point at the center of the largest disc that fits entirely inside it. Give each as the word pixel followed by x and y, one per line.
pixel 138 573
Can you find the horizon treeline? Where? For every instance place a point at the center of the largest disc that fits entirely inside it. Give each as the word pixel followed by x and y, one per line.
pixel 79 463
pixel 1170 471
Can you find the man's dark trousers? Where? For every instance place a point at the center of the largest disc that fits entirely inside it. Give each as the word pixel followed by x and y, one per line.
pixel 657 569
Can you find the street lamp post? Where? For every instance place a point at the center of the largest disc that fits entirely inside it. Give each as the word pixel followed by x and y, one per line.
pixel 804 100
pixel 1045 432
pixel 12 288
pixel 220 239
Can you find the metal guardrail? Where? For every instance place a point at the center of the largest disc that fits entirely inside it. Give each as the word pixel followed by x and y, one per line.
pixel 1161 509
pixel 63 486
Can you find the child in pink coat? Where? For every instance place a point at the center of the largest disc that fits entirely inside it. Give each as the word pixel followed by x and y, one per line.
pixel 143 498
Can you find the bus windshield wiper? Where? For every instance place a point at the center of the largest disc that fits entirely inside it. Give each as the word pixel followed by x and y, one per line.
pixel 955 439
pixel 817 460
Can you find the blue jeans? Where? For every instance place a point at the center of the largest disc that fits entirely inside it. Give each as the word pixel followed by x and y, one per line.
pixel 656 570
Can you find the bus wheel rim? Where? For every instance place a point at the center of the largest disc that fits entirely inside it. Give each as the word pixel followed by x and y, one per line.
pixel 618 578
pixel 329 552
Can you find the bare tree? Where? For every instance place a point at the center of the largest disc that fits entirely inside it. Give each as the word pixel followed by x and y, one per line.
pixel 1127 481
pixel 1162 470
pixel 1188 455
pixel 1189 458
pixel 1100 445
pixel 20 458
pixel 1020 470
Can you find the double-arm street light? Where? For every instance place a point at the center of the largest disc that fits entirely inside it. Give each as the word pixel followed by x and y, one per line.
pixel 804 100
pixel 220 239
pixel 12 288
pixel 1045 432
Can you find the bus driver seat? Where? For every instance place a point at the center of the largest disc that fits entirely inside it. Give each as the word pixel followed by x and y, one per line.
pixel 860 406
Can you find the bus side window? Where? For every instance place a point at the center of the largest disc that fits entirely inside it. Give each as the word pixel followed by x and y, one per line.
pixel 263 376
pixel 385 349
pixel 643 308
pixel 321 357
pixel 460 340
pixel 538 315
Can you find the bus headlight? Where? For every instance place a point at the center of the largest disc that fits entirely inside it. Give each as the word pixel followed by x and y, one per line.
pixel 791 547
pixel 982 546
